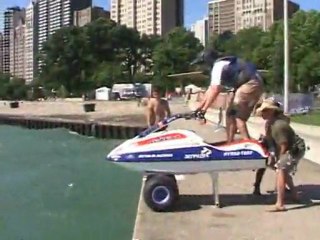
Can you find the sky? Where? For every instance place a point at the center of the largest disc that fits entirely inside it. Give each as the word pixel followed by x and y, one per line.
pixel 194 9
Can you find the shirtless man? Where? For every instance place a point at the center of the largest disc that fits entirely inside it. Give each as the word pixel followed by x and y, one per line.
pixel 157 108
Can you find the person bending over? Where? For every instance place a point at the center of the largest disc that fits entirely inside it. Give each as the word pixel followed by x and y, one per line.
pixel 269 141
pixel 234 73
pixel 289 149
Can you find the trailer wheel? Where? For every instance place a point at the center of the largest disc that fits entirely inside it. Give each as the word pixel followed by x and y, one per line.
pixel 161 193
pixel 151 175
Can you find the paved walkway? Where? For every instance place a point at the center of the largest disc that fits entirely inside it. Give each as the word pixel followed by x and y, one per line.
pixel 243 216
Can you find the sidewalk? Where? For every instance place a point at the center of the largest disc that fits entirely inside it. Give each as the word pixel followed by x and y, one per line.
pixel 243 216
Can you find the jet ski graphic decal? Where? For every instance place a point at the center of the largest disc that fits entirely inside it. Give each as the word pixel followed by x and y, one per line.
pixel 162 138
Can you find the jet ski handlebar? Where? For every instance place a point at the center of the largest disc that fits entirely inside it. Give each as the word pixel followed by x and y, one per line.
pixel 195 115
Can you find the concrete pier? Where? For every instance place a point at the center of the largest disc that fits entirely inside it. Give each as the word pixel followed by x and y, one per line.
pixel 243 216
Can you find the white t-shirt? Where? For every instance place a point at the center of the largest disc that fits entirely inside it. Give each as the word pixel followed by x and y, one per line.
pixel 216 72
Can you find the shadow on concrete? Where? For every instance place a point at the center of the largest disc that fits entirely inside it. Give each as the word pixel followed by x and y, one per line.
pixel 310 194
pixel 310 191
pixel 195 202
pixel 188 203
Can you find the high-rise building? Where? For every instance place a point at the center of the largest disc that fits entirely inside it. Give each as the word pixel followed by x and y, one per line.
pixel 17 43
pixel 1 54
pixel 61 12
pixel 149 16
pixel 55 14
pixel 31 41
pixel 12 16
pixel 200 29
pixel 1 20
pixel 221 16
pixel 260 13
pixel 234 15
pixel 43 29
pixel 17 59
pixel 87 15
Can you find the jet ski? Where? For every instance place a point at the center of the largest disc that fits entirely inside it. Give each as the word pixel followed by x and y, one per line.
pixel 162 154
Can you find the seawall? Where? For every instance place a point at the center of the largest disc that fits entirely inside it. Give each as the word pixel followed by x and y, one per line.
pixel 103 130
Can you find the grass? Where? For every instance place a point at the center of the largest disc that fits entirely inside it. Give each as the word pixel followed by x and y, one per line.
pixel 312 118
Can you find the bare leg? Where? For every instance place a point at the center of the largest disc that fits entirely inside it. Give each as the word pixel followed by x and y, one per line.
pixel 242 126
pixel 290 185
pixel 281 184
pixel 231 128
pixel 259 175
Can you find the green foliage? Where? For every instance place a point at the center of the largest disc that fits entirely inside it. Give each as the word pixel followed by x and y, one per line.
pixel 12 88
pixel 103 53
pixel 62 92
pixel 174 54
pixel 107 74
pixel 266 50
pixel 312 118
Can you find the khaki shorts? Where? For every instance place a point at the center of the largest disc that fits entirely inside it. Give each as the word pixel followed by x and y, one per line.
pixel 288 162
pixel 246 97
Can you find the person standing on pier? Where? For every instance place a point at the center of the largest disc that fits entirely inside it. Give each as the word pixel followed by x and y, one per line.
pixel 242 78
pixel 158 108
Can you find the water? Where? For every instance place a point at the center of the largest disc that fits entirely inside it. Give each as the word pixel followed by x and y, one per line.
pixel 55 185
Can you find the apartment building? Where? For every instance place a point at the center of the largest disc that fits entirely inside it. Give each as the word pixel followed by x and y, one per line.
pixel 12 17
pixel 260 13
pixel 42 22
pixel 221 16
pixel 55 14
pixel 17 60
pixel 31 41
pixel 17 43
pixel 234 15
pixel 149 16
pixel 87 15
pixel 1 38
pixel 1 54
pixel 200 29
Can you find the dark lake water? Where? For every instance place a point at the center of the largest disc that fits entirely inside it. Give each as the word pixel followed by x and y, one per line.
pixel 56 185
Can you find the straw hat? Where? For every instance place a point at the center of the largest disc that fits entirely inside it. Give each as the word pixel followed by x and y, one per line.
pixel 268 104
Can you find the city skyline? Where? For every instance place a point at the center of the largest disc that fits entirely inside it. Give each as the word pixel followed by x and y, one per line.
pixel 194 10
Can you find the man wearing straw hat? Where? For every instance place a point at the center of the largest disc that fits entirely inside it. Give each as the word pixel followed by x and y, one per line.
pixel 287 153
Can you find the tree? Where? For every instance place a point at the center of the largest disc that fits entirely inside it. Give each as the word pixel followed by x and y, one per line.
pixel 174 54
pixel 103 52
pixel 222 42
pixel 146 50
pixel 107 74
pixel 65 59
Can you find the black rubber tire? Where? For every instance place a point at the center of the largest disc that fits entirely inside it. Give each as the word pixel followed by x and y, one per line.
pixel 161 182
pixel 172 176
pixel 151 175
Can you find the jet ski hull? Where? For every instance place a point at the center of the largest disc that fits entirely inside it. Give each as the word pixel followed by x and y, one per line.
pixel 166 153
pixel 183 151
pixel 193 167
